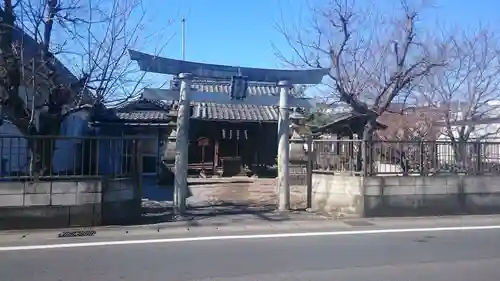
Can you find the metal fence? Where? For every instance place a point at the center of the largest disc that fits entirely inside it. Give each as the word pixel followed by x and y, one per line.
pixel 406 157
pixel 337 155
pixel 65 157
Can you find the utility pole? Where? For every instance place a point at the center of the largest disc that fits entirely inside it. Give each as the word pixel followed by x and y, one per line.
pixel 283 147
pixel 181 144
pixel 183 38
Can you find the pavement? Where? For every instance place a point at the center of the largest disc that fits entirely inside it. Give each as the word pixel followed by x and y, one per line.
pixel 242 190
pixel 446 248
pixel 221 197
pixel 238 189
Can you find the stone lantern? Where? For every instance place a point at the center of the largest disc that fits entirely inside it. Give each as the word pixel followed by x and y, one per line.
pixel 299 133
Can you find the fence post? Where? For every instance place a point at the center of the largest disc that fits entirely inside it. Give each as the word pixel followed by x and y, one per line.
pixel 309 171
pixel 422 158
pixel 138 167
pixel 364 155
pixel 478 157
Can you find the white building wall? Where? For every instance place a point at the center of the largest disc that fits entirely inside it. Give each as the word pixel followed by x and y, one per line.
pixel 488 134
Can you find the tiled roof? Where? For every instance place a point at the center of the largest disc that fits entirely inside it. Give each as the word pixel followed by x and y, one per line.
pixel 140 110
pixel 240 112
pixel 145 116
pixel 144 104
pixel 223 86
pixel 144 110
pixel 400 123
pixel 337 121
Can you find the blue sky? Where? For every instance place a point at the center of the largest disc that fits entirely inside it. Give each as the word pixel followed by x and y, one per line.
pixel 241 32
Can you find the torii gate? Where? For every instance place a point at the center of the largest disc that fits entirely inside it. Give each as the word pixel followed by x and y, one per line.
pixel 239 77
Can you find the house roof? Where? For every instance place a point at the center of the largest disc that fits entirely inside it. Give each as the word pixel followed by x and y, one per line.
pixel 421 118
pixel 145 104
pixel 144 116
pixel 469 122
pixel 139 111
pixel 342 120
pixel 168 95
pixel 234 112
pixel 260 106
pixel 144 110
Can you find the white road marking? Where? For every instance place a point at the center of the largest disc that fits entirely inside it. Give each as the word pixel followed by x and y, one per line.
pixel 249 236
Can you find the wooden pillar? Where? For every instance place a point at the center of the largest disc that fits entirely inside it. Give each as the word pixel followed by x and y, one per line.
pixel 216 154
pixel 257 144
pixel 338 143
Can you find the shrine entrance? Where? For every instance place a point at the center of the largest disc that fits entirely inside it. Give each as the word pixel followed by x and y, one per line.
pixel 223 148
pixel 235 152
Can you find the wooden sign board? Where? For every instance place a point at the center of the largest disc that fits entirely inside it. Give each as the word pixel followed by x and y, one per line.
pixel 203 142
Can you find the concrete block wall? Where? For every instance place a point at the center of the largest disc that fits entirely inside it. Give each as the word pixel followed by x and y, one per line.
pixel 118 190
pixel 121 202
pixel 16 194
pixel 47 204
pixel 337 195
pixel 412 195
pixel 345 195
pixel 436 195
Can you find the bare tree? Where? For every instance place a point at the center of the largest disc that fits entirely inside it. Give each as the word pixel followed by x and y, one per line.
pixel 98 33
pixel 373 60
pixel 409 139
pixel 103 40
pixel 299 91
pixel 467 90
pixel 31 61
pixel 413 126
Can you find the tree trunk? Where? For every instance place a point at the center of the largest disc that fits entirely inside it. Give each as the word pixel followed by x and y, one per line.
pixel 460 154
pixel 46 137
pixel 367 148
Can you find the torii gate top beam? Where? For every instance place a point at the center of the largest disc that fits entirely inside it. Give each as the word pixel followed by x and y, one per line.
pixel 151 63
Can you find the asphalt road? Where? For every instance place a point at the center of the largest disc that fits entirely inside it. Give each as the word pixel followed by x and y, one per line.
pixel 444 255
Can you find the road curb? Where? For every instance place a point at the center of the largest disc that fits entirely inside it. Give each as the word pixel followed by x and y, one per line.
pixel 230 223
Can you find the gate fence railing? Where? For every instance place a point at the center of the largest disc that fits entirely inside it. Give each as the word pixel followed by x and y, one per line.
pixel 69 157
pixel 405 157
